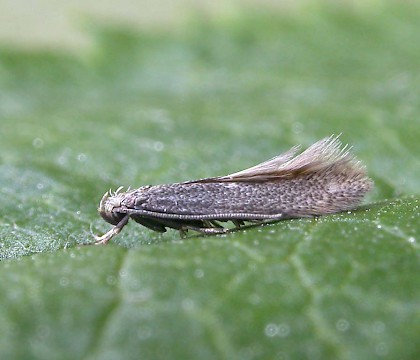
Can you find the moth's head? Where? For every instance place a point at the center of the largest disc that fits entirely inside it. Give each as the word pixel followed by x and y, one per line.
pixel 108 206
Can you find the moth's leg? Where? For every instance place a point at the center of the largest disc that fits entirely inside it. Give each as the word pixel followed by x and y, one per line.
pixel 203 230
pixel 212 224
pixel 183 233
pixel 182 225
pixel 207 223
pixel 216 224
pixel 111 233
pixel 151 224
pixel 237 223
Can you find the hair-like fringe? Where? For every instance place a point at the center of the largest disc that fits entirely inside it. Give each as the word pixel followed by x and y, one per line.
pixel 321 155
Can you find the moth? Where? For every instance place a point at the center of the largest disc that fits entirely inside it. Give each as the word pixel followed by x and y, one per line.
pixel 324 179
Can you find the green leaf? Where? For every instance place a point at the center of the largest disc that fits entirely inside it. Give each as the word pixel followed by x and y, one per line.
pixel 211 99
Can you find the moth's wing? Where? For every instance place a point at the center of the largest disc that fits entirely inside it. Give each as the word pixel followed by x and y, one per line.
pixel 266 167
pixel 256 172
pixel 320 155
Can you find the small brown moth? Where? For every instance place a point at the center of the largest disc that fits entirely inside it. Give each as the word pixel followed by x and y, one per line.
pixel 324 179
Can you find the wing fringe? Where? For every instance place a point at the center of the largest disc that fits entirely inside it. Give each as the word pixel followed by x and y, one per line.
pixel 325 153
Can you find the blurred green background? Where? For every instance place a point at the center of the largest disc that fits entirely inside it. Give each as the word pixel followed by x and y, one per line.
pixel 98 95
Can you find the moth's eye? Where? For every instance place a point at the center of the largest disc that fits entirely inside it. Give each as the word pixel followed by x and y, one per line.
pixel 106 208
pixel 112 217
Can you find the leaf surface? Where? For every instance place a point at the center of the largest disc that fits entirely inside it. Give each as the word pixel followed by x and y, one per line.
pixel 211 100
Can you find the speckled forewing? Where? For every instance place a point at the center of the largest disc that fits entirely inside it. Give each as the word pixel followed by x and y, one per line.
pixel 312 193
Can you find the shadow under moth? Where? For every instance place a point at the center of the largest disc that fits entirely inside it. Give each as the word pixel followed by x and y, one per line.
pixel 324 179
